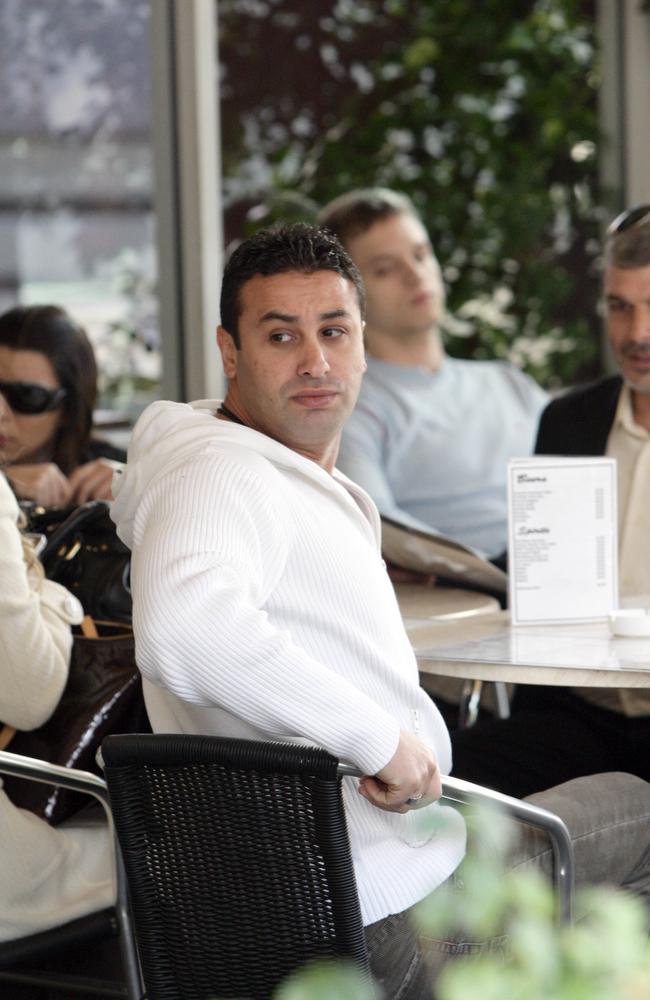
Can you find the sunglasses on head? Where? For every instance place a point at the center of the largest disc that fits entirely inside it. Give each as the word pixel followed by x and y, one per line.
pixel 630 217
pixel 29 397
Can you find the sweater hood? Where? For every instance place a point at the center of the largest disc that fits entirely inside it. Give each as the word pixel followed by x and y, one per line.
pixel 168 434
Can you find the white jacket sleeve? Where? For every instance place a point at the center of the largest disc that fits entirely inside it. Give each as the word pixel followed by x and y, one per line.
pixel 209 548
pixel 35 638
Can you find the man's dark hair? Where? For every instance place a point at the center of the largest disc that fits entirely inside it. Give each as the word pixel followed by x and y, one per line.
pixel 629 248
pixel 356 211
pixel 278 250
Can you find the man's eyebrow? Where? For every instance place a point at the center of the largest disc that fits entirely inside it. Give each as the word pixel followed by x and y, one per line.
pixel 618 297
pixel 273 315
pixel 386 256
pixel 335 314
pixel 380 257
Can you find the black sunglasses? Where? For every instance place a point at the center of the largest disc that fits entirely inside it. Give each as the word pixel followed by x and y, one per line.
pixel 630 217
pixel 29 397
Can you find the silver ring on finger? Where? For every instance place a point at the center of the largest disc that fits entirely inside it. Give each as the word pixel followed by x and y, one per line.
pixel 413 800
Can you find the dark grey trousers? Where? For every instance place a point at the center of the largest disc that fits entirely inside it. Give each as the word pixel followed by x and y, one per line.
pixel 608 816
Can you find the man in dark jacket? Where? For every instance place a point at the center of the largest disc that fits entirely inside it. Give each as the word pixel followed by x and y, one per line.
pixel 556 734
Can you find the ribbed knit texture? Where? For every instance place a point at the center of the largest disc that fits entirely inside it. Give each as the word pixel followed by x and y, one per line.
pixel 47 876
pixel 262 609
pixel 35 638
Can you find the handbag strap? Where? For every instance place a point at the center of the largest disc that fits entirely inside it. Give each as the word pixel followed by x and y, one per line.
pixel 88 627
pixel 7 734
pixel 76 519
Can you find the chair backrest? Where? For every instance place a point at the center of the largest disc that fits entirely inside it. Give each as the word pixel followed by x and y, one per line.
pixel 237 859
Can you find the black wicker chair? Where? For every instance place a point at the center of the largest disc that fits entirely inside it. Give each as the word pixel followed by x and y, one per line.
pixel 55 959
pixel 237 859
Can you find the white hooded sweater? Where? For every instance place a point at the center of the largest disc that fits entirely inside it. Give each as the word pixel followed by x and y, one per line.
pixel 263 610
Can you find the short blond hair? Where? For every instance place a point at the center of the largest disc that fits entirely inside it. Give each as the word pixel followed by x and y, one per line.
pixel 358 210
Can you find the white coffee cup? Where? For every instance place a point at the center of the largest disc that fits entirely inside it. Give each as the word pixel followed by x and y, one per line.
pixel 630 622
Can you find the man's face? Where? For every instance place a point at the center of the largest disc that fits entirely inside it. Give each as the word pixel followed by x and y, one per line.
pixel 297 374
pixel 405 293
pixel 627 301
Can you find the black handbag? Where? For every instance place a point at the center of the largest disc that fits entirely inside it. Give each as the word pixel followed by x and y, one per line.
pixel 83 553
pixel 103 695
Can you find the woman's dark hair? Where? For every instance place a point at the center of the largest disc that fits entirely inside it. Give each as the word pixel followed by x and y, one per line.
pixel 49 330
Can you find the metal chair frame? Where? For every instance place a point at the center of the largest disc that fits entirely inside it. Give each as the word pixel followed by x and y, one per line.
pixel 83 781
pixel 454 789
pixel 470 702
pixel 466 793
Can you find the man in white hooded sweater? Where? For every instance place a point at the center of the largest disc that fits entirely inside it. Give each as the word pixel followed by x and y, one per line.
pixel 262 608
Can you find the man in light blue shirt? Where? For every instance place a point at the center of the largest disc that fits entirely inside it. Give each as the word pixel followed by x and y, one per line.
pixel 431 435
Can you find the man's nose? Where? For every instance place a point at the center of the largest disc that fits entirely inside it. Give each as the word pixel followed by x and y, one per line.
pixel 412 274
pixel 641 323
pixel 314 360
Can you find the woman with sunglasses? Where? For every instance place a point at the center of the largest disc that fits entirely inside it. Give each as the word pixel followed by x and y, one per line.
pixel 48 378
pixel 48 875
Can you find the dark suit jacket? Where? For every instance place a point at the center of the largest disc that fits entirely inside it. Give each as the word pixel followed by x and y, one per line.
pixel 579 422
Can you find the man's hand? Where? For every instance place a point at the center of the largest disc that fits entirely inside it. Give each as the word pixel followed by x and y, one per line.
pixel 92 481
pixel 411 773
pixel 42 482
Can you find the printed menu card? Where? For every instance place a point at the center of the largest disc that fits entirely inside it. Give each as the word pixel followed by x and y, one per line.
pixel 562 539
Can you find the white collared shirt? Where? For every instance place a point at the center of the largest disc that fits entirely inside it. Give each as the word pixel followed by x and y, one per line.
pixel 629 444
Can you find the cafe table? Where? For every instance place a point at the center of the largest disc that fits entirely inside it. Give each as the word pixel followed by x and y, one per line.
pixel 487 647
pixel 425 606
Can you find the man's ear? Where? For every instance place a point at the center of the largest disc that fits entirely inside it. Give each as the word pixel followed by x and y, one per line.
pixel 228 352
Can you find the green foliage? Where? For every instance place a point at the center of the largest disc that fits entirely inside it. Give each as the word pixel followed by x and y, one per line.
pixel 326 981
pixel 604 955
pixel 485 114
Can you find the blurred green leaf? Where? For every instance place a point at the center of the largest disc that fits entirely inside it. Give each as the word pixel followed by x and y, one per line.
pixel 421 52
pixel 326 981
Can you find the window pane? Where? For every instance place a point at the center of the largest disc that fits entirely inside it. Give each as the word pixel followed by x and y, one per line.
pixel 76 219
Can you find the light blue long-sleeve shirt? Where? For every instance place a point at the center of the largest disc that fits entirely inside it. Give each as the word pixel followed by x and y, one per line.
pixel 431 448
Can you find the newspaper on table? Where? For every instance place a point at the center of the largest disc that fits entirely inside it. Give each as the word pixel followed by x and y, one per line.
pixel 429 552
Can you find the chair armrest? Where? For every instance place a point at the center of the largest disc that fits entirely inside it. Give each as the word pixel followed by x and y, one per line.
pixel 83 781
pixel 468 793
pixel 53 774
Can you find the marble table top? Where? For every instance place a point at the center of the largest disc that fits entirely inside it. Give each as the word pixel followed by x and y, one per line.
pixel 488 647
